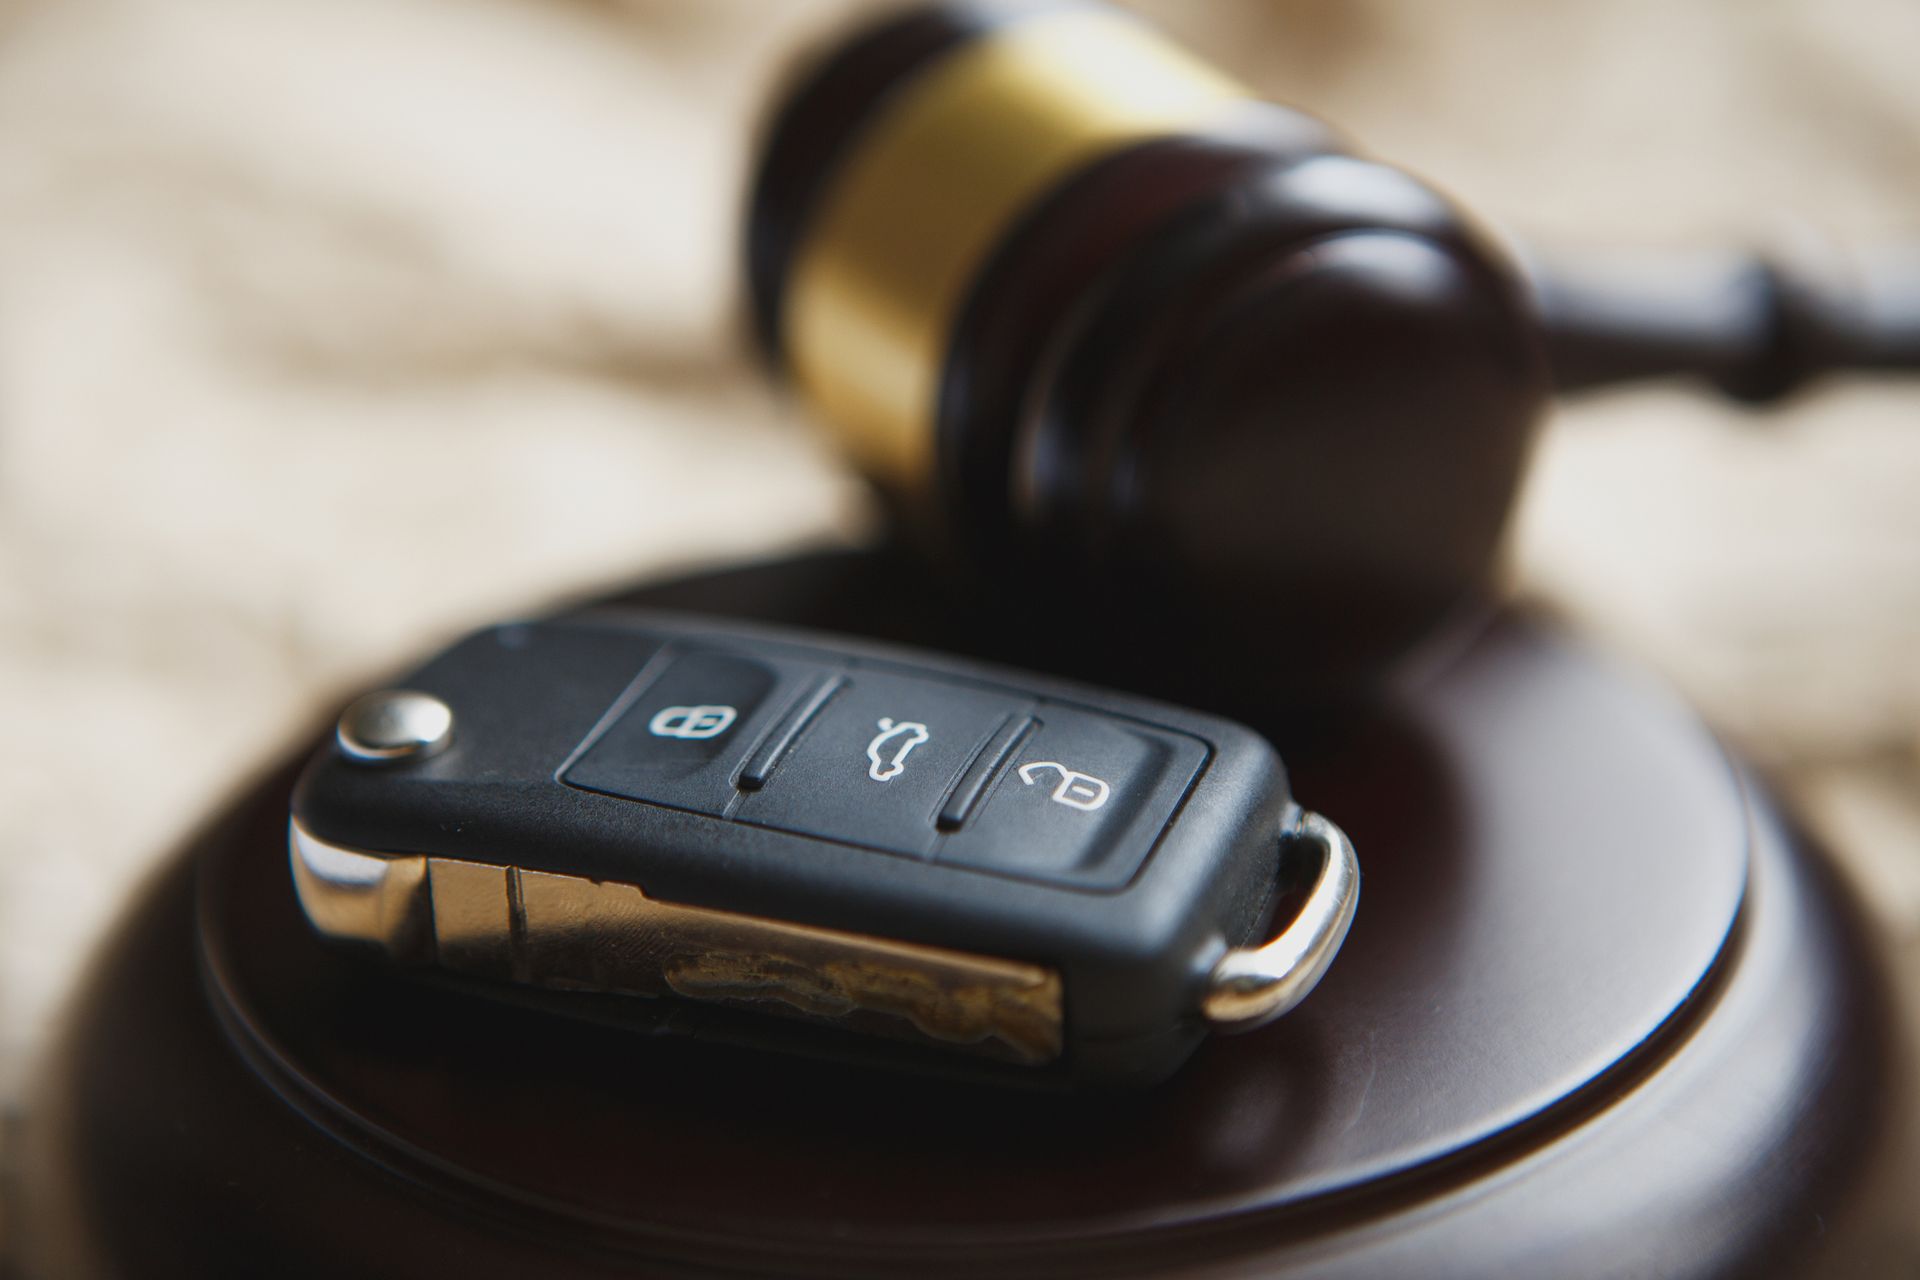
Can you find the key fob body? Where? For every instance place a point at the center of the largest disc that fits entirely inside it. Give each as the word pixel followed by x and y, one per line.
pixel 951 861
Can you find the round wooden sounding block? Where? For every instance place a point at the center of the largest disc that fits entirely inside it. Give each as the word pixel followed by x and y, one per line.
pixel 1599 1010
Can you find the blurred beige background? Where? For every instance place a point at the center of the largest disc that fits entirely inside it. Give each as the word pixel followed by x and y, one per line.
pixel 331 327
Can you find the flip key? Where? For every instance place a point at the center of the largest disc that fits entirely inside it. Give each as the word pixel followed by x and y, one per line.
pixel 798 841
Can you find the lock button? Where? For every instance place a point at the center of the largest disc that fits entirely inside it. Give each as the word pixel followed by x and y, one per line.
pixel 689 728
pixel 1081 802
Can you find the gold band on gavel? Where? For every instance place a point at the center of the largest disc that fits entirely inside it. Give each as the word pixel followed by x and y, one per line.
pixel 935 182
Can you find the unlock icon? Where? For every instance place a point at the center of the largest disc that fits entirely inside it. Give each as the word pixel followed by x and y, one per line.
pixel 1076 790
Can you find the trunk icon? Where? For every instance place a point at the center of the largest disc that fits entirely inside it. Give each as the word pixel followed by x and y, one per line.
pixel 887 753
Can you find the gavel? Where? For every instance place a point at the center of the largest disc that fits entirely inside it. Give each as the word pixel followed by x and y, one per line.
pixel 1111 333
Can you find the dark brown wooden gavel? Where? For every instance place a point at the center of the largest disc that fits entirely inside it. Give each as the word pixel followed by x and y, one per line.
pixel 1112 333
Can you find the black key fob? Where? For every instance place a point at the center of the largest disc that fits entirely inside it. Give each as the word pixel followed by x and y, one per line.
pixel 732 822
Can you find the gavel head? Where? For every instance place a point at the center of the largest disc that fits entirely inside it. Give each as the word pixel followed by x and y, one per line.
pixel 1141 347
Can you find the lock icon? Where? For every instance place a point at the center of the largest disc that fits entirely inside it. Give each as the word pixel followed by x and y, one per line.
pixel 1075 789
pixel 691 723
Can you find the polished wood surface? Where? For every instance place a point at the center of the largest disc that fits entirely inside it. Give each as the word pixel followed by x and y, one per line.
pixel 1600 1012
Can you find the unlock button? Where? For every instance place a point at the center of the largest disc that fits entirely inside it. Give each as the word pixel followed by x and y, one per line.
pixel 1082 801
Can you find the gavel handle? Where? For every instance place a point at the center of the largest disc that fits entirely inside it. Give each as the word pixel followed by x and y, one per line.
pixel 1756 326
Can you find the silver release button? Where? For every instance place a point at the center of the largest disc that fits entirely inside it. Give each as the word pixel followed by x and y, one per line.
pixel 394 724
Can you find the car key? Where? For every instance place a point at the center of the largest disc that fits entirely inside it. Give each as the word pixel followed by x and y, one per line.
pixel 739 821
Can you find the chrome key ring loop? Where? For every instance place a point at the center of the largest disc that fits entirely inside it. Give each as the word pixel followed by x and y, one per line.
pixel 1251 986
